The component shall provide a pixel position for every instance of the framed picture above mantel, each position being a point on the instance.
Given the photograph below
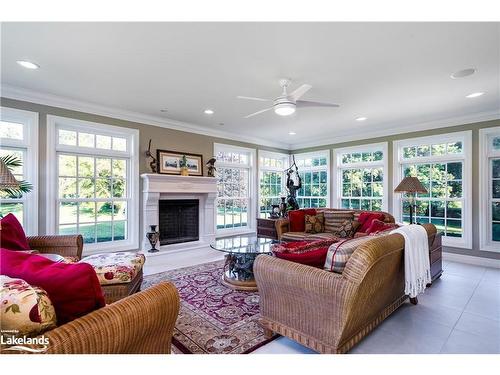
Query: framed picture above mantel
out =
(169, 162)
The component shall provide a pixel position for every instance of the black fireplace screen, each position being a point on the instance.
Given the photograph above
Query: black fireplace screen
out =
(179, 221)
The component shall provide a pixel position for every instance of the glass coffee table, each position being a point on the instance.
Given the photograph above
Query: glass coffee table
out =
(241, 252)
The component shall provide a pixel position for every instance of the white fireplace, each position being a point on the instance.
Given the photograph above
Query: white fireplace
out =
(158, 187)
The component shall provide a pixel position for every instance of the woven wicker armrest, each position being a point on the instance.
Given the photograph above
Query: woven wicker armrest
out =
(282, 226)
(70, 245)
(300, 296)
(141, 323)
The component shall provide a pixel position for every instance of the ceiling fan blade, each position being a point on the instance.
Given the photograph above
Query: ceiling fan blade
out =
(307, 103)
(259, 112)
(300, 91)
(252, 98)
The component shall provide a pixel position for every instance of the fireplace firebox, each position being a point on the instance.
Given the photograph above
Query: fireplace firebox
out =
(178, 221)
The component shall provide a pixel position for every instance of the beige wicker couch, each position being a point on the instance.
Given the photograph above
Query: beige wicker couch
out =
(331, 312)
(283, 225)
(141, 323)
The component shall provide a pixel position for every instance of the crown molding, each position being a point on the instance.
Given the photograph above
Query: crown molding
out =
(401, 129)
(27, 95)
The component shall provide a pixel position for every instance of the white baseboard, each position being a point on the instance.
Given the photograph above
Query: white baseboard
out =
(468, 259)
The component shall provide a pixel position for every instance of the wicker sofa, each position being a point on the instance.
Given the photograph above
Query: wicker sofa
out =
(283, 226)
(330, 312)
(140, 323)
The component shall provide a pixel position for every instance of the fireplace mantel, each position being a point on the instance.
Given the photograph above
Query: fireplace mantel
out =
(158, 187)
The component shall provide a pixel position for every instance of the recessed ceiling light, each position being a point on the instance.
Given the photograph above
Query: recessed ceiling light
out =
(221, 123)
(361, 118)
(474, 95)
(463, 73)
(164, 110)
(291, 133)
(209, 112)
(28, 64)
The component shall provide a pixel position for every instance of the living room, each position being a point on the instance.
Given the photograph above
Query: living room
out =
(250, 187)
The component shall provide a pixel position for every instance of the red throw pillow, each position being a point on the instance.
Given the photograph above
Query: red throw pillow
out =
(378, 226)
(314, 258)
(12, 235)
(73, 288)
(366, 218)
(297, 219)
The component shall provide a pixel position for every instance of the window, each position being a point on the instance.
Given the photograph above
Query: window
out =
(441, 163)
(19, 137)
(489, 154)
(361, 182)
(93, 183)
(235, 188)
(313, 169)
(271, 180)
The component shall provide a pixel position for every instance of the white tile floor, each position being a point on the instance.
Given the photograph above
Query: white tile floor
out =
(460, 313)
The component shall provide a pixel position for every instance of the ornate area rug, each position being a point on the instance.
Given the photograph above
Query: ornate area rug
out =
(213, 318)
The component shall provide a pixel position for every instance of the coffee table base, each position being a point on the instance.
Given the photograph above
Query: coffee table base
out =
(231, 282)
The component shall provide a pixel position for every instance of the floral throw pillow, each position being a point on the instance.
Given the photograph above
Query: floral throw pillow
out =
(348, 228)
(315, 223)
(25, 309)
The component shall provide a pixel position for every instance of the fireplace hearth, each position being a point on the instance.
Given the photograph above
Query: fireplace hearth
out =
(178, 221)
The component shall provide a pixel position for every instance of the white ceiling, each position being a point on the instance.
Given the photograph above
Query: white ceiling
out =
(396, 74)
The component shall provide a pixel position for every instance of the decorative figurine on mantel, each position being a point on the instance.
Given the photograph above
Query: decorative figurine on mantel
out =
(293, 184)
(152, 163)
(183, 165)
(211, 167)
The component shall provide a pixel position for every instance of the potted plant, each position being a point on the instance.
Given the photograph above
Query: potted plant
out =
(183, 166)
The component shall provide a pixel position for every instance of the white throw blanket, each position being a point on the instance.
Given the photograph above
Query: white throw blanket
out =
(417, 265)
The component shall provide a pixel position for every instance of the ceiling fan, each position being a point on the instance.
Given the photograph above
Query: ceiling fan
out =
(286, 103)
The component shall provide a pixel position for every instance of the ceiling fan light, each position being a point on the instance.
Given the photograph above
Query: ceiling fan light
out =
(284, 109)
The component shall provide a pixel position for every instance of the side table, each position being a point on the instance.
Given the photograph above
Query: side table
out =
(267, 228)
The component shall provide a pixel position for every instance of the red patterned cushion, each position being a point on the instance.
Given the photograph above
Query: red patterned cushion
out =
(379, 226)
(366, 218)
(297, 219)
(311, 253)
(12, 235)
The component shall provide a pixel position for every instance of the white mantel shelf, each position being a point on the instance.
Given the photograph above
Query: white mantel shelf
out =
(164, 183)
(158, 187)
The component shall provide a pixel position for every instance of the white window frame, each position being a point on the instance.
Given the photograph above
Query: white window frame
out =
(485, 214)
(338, 166)
(261, 168)
(319, 153)
(29, 144)
(252, 189)
(466, 158)
(132, 136)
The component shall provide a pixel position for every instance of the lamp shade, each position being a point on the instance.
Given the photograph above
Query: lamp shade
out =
(410, 185)
(7, 180)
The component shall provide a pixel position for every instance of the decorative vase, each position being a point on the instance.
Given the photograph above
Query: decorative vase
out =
(153, 238)
(184, 171)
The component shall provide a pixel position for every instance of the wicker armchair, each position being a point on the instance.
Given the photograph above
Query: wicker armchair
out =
(330, 312)
(67, 246)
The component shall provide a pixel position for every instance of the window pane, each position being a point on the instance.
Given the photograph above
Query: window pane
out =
(67, 137)
(103, 141)
(11, 130)
(454, 228)
(454, 171)
(104, 211)
(104, 232)
(439, 149)
(86, 212)
(85, 166)
(67, 187)
(86, 140)
(409, 152)
(496, 189)
(16, 171)
(495, 214)
(119, 230)
(495, 168)
(119, 144)
(496, 143)
(495, 232)
(68, 213)
(103, 188)
(455, 148)
(103, 167)
(88, 232)
(69, 229)
(85, 188)
(454, 210)
(437, 209)
(67, 165)
(423, 151)
(12, 208)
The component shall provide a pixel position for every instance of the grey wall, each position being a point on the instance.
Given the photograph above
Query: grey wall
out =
(475, 172)
(189, 142)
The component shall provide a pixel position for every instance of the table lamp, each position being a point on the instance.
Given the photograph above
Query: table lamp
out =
(411, 185)
(7, 179)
